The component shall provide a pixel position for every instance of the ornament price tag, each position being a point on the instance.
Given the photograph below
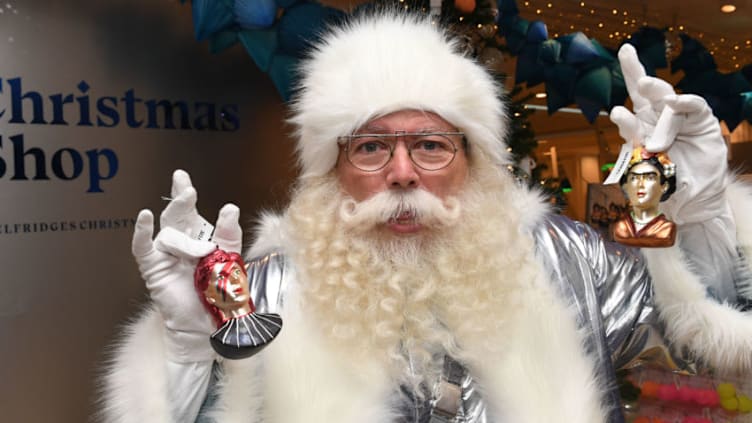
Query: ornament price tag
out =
(201, 229)
(621, 164)
(198, 227)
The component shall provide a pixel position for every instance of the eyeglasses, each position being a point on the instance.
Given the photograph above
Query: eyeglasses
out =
(427, 150)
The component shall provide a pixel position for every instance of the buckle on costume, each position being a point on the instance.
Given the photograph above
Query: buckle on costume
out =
(447, 403)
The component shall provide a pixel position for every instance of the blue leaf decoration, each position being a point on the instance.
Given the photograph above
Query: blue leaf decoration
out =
(301, 24)
(594, 86)
(222, 40)
(580, 50)
(693, 57)
(747, 72)
(589, 108)
(560, 79)
(282, 72)
(733, 84)
(260, 45)
(619, 92)
(550, 52)
(253, 14)
(747, 106)
(556, 99)
(209, 17)
(506, 8)
(537, 32)
(528, 69)
(286, 3)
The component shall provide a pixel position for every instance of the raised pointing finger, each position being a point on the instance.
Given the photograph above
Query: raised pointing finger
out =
(228, 234)
(633, 71)
(180, 207)
(180, 182)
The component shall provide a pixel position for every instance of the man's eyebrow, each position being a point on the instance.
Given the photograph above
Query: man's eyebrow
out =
(652, 172)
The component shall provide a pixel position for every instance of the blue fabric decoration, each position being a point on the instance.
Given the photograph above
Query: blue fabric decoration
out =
(528, 67)
(506, 8)
(574, 68)
(301, 24)
(253, 14)
(222, 40)
(560, 78)
(693, 57)
(579, 50)
(514, 29)
(556, 99)
(286, 3)
(593, 91)
(550, 52)
(260, 45)
(651, 45)
(747, 105)
(537, 32)
(619, 92)
(210, 16)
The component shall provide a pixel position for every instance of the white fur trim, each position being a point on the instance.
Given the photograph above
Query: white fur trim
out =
(378, 64)
(543, 374)
(135, 384)
(717, 333)
(531, 205)
(269, 235)
(309, 382)
(739, 195)
(239, 391)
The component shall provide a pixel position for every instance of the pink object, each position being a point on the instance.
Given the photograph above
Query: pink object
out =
(668, 393)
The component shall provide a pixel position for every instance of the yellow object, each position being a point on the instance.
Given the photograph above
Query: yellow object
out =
(730, 404)
(745, 404)
(726, 390)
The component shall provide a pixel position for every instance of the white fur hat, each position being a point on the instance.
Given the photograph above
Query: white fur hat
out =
(389, 61)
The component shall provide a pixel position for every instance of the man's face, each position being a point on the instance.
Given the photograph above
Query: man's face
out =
(228, 290)
(643, 186)
(401, 173)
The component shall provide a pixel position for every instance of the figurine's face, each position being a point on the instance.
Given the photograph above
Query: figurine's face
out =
(228, 288)
(643, 186)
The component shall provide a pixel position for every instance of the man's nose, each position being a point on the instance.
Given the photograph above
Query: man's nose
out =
(401, 171)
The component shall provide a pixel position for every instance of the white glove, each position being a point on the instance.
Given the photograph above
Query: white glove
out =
(684, 127)
(167, 265)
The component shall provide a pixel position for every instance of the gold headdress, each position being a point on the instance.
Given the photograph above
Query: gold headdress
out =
(640, 154)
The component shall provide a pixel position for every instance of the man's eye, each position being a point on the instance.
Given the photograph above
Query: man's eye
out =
(427, 145)
(431, 145)
(368, 147)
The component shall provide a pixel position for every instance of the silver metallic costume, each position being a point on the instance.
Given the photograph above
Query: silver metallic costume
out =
(607, 283)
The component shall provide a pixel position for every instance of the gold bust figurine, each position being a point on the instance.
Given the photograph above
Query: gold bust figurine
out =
(650, 179)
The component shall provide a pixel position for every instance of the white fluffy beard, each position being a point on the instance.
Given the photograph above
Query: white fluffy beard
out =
(404, 301)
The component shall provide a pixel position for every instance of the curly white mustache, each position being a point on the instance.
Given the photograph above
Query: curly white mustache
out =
(418, 205)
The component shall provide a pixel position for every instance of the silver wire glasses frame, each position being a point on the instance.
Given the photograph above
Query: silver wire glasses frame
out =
(428, 150)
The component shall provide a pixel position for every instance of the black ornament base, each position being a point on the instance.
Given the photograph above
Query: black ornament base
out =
(242, 337)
